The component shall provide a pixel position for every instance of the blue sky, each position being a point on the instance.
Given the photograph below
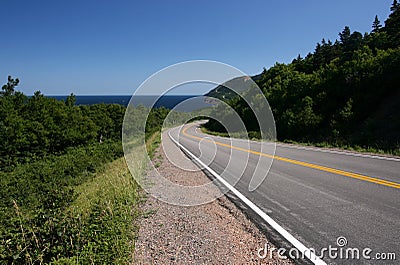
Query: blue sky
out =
(110, 47)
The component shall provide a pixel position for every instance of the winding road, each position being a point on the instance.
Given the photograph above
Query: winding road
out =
(318, 196)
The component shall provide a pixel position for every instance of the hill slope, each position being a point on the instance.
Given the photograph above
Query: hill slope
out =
(346, 92)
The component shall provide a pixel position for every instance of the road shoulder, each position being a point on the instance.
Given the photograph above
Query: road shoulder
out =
(214, 233)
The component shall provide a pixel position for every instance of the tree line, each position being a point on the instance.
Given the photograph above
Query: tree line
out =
(37, 126)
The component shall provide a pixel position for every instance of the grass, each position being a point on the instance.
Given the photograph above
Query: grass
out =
(80, 210)
(356, 148)
(221, 134)
(105, 210)
(153, 143)
(107, 205)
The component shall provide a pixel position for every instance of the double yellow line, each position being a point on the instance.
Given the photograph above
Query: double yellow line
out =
(304, 164)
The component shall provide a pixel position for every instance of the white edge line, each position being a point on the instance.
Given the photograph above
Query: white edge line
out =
(297, 244)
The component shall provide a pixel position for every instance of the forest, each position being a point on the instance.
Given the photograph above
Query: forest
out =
(345, 93)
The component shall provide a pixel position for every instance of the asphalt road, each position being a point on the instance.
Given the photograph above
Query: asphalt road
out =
(315, 194)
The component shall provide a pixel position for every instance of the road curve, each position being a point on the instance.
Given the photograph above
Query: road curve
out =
(315, 194)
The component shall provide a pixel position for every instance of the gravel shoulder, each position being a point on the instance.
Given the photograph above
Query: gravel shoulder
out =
(213, 233)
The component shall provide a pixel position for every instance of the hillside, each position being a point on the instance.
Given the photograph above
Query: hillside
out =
(346, 92)
(224, 91)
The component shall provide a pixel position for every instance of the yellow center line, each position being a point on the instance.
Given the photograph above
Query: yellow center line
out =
(304, 164)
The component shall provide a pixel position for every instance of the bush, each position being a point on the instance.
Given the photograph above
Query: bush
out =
(34, 225)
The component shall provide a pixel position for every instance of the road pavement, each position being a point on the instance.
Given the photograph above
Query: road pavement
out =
(317, 195)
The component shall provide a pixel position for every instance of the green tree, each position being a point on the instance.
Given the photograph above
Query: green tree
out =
(345, 35)
(392, 25)
(9, 88)
(71, 100)
(376, 25)
(355, 41)
(395, 6)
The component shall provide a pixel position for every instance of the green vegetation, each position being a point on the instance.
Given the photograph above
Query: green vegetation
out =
(153, 143)
(67, 196)
(36, 225)
(49, 150)
(355, 148)
(240, 135)
(38, 126)
(345, 93)
(105, 209)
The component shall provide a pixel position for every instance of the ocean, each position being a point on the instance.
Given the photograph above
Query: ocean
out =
(90, 100)
(169, 101)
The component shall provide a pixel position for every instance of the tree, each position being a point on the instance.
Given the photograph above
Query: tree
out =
(376, 25)
(395, 6)
(392, 25)
(71, 100)
(345, 35)
(9, 88)
(355, 41)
